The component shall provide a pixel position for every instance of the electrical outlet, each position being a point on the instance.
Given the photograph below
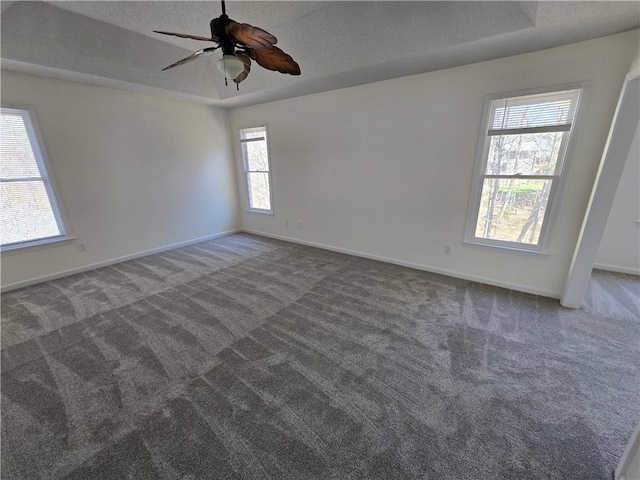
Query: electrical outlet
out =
(447, 249)
(299, 225)
(286, 223)
(82, 247)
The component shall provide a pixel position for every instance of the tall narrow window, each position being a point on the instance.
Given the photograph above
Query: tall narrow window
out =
(29, 214)
(522, 161)
(255, 159)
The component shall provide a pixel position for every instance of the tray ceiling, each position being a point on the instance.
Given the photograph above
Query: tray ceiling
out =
(336, 43)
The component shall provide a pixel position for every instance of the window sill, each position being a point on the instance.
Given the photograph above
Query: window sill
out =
(36, 245)
(506, 249)
(263, 212)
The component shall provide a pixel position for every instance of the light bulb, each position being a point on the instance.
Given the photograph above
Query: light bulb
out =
(230, 65)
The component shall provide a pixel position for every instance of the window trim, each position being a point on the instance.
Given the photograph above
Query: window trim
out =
(559, 179)
(246, 171)
(44, 165)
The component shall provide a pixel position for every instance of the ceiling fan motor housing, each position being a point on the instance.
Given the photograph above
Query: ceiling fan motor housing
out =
(242, 41)
(220, 35)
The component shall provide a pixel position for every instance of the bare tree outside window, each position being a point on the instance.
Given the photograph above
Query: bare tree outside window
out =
(526, 140)
(255, 157)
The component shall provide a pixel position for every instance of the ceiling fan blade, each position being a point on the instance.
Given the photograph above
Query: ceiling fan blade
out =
(251, 36)
(193, 56)
(247, 68)
(186, 35)
(275, 59)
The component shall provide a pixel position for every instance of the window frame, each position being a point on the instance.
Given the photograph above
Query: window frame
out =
(559, 177)
(245, 168)
(46, 175)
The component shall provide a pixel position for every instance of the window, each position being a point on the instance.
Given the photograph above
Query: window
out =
(518, 175)
(30, 214)
(255, 159)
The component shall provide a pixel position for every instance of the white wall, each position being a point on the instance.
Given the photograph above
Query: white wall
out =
(385, 169)
(134, 172)
(620, 246)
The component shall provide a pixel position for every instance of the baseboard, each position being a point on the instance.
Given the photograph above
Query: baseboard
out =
(615, 268)
(426, 268)
(416, 266)
(106, 263)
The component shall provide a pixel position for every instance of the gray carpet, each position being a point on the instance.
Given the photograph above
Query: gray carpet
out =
(244, 357)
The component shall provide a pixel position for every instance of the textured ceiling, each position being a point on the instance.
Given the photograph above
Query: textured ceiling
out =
(336, 43)
(188, 17)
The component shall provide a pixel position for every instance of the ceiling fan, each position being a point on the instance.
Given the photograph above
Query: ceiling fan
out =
(240, 43)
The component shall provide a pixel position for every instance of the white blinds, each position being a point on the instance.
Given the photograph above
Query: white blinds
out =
(18, 160)
(541, 111)
(252, 134)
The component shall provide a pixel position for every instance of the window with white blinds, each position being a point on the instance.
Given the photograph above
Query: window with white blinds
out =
(29, 214)
(522, 160)
(255, 160)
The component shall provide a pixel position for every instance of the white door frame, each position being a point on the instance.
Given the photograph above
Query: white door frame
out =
(619, 142)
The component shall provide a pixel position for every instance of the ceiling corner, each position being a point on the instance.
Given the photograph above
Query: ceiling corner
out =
(531, 10)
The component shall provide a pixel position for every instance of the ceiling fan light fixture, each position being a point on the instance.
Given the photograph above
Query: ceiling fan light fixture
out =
(230, 65)
(240, 44)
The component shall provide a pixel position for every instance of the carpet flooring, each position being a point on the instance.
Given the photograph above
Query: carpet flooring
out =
(250, 358)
